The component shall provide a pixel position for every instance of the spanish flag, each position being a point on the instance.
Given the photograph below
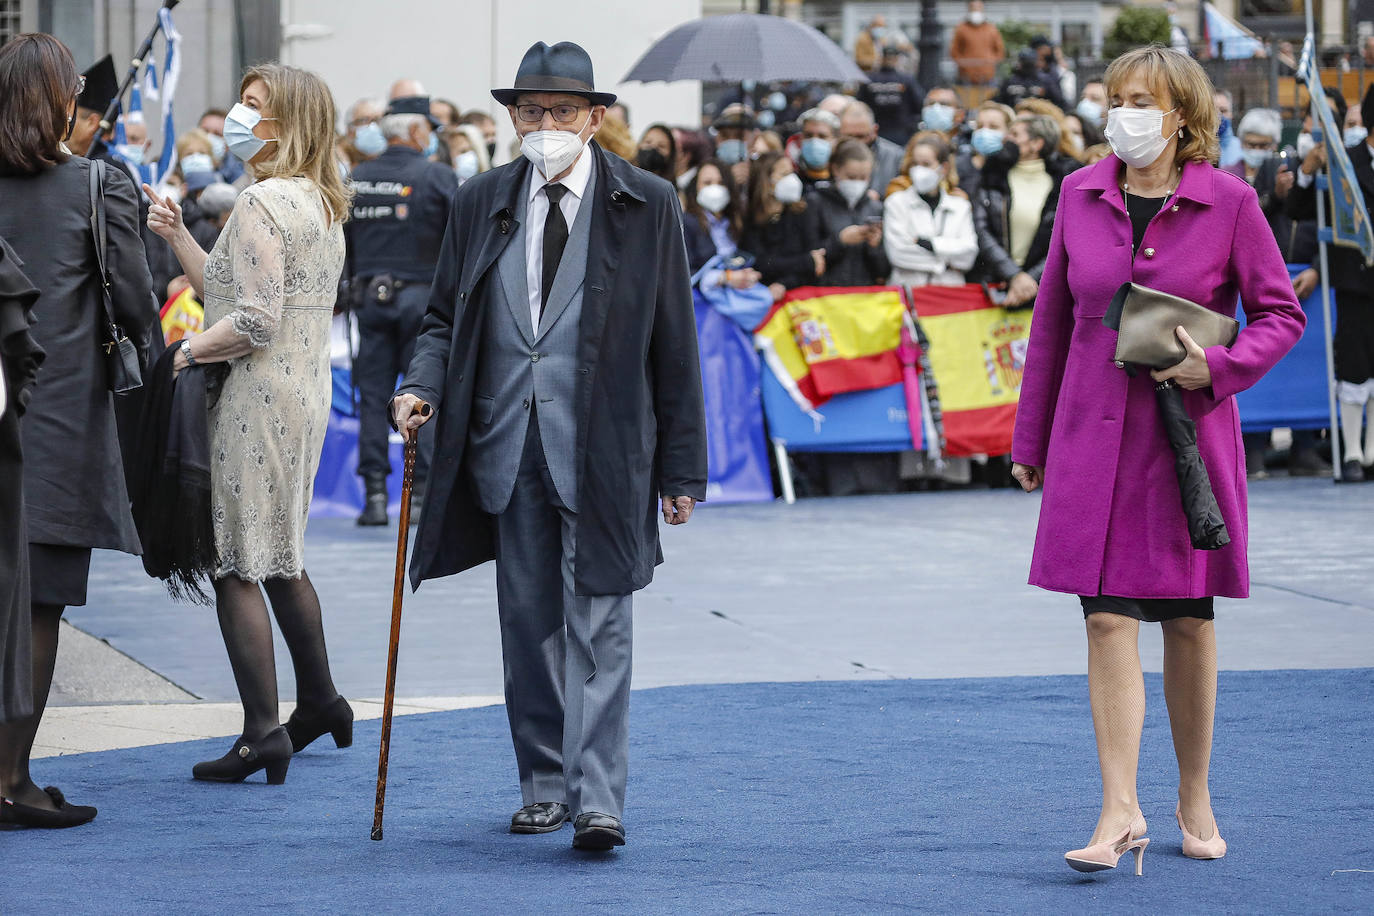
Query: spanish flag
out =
(182, 316)
(824, 341)
(977, 356)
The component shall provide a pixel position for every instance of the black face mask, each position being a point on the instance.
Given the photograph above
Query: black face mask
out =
(651, 160)
(491, 150)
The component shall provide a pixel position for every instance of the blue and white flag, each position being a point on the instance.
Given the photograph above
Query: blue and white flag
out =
(166, 94)
(1228, 39)
(133, 156)
(1350, 225)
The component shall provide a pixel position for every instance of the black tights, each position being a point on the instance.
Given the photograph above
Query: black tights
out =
(16, 738)
(247, 631)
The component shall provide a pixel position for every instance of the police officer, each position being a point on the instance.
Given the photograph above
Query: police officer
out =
(400, 211)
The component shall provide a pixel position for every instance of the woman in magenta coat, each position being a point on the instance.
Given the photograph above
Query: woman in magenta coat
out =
(1112, 528)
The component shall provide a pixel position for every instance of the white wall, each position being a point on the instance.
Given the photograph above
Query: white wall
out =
(461, 50)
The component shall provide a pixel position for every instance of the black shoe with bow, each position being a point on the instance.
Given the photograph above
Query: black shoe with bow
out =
(67, 815)
(598, 832)
(272, 753)
(541, 817)
(305, 726)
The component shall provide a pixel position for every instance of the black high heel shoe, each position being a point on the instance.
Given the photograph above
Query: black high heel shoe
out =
(336, 719)
(272, 753)
(66, 815)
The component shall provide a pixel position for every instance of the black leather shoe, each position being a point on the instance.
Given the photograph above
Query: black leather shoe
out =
(305, 726)
(272, 753)
(374, 508)
(598, 832)
(1351, 472)
(66, 815)
(542, 817)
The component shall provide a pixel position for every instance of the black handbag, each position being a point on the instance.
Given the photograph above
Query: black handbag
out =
(123, 369)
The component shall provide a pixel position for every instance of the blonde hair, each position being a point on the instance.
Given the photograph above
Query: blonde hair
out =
(614, 137)
(1169, 72)
(304, 109)
(1001, 109)
(194, 140)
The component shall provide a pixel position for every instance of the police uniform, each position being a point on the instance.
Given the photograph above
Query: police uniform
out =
(400, 213)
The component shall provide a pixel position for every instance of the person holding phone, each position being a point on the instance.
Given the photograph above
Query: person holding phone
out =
(850, 221)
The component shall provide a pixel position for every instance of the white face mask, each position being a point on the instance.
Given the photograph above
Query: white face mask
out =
(1137, 134)
(788, 190)
(466, 165)
(852, 190)
(713, 198)
(924, 179)
(552, 151)
(976, 17)
(1305, 145)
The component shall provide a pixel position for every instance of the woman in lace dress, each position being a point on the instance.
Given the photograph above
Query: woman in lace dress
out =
(269, 289)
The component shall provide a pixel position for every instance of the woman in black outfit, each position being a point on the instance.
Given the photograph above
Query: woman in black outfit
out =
(779, 232)
(74, 492)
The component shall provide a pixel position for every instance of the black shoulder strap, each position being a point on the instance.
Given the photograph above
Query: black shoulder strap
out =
(99, 235)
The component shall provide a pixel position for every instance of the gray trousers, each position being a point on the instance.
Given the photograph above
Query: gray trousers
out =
(567, 658)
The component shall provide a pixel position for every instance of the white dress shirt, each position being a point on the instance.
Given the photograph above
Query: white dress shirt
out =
(537, 211)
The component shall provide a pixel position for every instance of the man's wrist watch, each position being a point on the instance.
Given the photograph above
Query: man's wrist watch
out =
(186, 352)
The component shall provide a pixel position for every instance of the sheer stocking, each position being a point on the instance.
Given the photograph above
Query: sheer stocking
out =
(297, 609)
(1116, 688)
(247, 634)
(1190, 690)
(16, 738)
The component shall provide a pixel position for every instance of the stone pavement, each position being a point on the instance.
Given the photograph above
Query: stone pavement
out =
(903, 586)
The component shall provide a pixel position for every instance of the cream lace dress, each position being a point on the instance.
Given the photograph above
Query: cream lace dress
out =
(274, 272)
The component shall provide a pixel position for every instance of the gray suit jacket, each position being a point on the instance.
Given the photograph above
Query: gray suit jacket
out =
(522, 368)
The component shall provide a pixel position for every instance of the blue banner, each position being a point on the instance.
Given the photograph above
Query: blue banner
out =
(1293, 393)
(860, 421)
(1350, 224)
(737, 455)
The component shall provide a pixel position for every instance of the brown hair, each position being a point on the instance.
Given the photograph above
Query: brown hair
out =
(38, 80)
(731, 211)
(944, 153)
(304, 109)
(1169, 72)
(849, 150)
(1004, 110)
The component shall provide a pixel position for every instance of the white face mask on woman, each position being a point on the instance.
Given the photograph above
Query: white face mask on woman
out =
(1137, 134)
(788, 190)
(924, 179)
(713, 198)
(852, 190)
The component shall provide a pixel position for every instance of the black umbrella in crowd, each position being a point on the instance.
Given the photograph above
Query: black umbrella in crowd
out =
(745, 46)
(1206, 528)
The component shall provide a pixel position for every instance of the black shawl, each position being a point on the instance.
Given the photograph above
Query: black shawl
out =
(171, 494)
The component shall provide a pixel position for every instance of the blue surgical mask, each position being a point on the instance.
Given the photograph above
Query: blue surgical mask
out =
(196, 163)
(432, 146)
(777, 101)
(466, 165)
(238, 131)
(748, 85)
(1254, 158)
(987, 141)
(1354, 136)
(217, 147)
(1090, 111)
(370, 140)
(732, 151)
(766, 119)
(1225, 130)
(815, 153)
(938, 117)
(133, 154)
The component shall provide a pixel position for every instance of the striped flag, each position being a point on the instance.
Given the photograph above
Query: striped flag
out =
(166, 92)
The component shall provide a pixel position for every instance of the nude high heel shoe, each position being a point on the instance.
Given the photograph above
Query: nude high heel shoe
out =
(1194, 848)
(1105, 855)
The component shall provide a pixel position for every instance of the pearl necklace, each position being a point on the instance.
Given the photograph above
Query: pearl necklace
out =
(1177, 179)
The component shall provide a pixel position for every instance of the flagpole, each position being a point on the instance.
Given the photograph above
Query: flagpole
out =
(108, 119)
(1316, 96)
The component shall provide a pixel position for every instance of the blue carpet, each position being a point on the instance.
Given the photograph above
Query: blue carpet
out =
(945, 796)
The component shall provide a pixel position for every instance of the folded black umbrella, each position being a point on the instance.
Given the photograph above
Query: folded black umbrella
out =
(1206, 527)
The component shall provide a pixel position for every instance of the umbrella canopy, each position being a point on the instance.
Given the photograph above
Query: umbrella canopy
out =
(745, 46)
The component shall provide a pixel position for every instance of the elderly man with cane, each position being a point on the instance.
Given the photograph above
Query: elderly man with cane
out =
(559, 354)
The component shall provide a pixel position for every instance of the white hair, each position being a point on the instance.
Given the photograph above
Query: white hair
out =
(217, 199)
(821, 116)
(352, 112)
(1264, 121)
(398, 126)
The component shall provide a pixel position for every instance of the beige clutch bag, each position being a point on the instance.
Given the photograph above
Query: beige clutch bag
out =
(1144, 320)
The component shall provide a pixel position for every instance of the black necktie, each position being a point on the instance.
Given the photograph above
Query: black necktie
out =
(555, 239)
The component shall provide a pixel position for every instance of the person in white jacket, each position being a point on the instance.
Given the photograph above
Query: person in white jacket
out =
(928, 232)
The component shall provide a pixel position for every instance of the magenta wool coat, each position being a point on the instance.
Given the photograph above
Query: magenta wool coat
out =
(1111, 519)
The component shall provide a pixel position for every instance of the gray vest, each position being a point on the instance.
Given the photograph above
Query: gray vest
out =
(520, 367)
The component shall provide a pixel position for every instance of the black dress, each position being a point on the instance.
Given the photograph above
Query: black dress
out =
(20, 357)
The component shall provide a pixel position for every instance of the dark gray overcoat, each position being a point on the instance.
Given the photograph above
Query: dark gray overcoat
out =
(641, 429)
(74, 490)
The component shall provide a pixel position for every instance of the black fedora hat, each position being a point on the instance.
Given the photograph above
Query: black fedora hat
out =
(564, 67)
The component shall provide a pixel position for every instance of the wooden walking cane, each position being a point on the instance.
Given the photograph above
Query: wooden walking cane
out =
(401, 539)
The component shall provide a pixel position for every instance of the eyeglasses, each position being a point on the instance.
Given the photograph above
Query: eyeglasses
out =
(563, 114)
(80, 84)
